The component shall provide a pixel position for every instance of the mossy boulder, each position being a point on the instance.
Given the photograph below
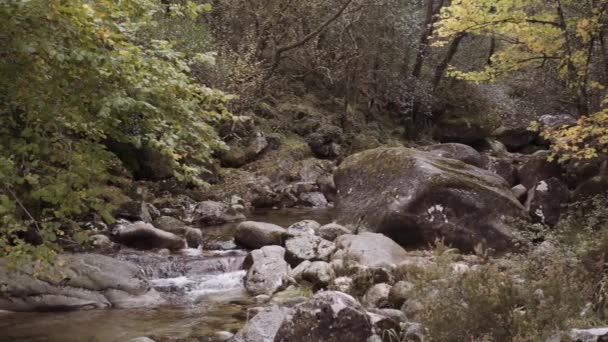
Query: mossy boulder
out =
(416, 197)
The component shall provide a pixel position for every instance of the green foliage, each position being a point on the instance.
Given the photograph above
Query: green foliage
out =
(75, 74)
(526, 297)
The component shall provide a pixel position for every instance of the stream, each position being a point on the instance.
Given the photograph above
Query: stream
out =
(204, 287)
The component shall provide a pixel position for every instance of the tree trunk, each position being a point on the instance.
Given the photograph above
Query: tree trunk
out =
(442, 67)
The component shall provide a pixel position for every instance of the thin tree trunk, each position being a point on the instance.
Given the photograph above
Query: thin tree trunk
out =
(442, 67)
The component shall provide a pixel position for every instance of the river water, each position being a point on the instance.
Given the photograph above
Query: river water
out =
(204, 287)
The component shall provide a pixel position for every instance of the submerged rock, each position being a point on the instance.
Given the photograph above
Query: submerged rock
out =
(329, 317)
(268, 270)
(254, 235)
(193, 236)
(85, 281)
(415, 197)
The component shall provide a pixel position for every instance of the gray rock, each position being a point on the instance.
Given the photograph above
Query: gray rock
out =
(85, 281)
(134, 211)
(329, 317)
(297, 272)
(268, 271)
(415, 197)
(222, 336)
(313, 199)
(308, 247)
(325, 142)
(515, 137)
(331, 231)
(589, 335)
(215, 213)
(319, 273)
(371, 249)
(461, 152)
(537, 167)
(101, 241)
(194, 237)
(342, 284)
(377, 296)
(413, 333)
(145, 236)
(545, 201)
(254, 235)
(262, 327)
(504, 167)
(303, 227)
(519, 191)
(383, 325)
(399, 293)
(141, 339)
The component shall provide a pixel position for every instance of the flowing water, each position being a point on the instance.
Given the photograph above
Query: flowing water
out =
(204, 289)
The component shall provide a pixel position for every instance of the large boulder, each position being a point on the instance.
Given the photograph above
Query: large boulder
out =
(415, 197)
(268, 270)
(546, 199)
(329, 317)
(503, 166)
(251, 234)
(84, 281)
(262, 327)
(308, 247)
(145, 236)
(464, 153)
(371, 249)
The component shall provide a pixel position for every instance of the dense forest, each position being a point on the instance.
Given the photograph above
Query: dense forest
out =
(470, 137)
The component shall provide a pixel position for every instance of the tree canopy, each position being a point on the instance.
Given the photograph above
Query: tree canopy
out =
(73, 76)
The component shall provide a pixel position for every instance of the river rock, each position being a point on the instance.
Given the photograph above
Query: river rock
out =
(85, 281)
(415, 197)
(308, 247)
(331, 231)
(135, 211)
(371, 249)
(254, 235)
(215, 213)
(297, 272)
(546, 199)
(329, 317)
(319, 273)
(268, 270)
(342, 284)
(262, 327)
(456, 151)
(377, 296)
(589, 335)
(313, 199)
(303, 227)
(193, 236)
(142, 235)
